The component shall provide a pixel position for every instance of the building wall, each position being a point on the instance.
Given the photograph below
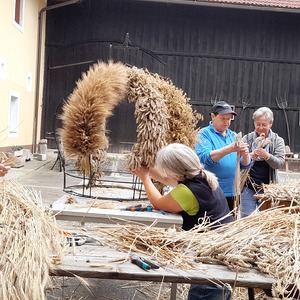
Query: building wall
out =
(241, 56)
(18, 63)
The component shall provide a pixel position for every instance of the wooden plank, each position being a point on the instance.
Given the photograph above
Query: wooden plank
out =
(73, 212)
(91, 261)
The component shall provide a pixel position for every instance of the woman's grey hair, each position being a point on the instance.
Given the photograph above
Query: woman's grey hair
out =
(181, 160)
(264, 112)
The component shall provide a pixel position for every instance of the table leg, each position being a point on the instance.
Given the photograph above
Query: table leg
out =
(173, 290)
(251, 293)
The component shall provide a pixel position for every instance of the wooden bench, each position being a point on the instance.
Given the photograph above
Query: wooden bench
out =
(288, 152)
(289, 160)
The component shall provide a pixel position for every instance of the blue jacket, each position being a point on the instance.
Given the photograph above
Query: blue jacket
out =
(225, 168)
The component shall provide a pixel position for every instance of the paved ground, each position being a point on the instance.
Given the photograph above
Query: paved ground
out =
(46, 177)
(38, 174)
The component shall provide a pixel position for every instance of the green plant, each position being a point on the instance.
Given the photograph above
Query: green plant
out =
(16, 148)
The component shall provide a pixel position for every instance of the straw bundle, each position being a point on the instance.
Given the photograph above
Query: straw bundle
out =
(92, 167)
(287, 193)
(7, 161)
(87, 109)
(29, 237)
(182, 119)
(166, 246)
(151, 117)
(163, 115)
(268, 241)
(237, 179)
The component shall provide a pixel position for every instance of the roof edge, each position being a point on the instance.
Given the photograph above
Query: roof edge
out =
(226, 5)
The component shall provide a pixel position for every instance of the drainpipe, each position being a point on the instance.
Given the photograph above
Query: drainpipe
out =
(38, 67)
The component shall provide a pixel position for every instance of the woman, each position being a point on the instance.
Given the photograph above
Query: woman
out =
(196, 194)
(267, 149)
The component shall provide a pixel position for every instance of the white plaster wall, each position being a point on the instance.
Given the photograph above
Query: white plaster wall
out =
(18, 64)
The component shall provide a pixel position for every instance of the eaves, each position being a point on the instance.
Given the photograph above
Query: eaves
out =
(227, 4)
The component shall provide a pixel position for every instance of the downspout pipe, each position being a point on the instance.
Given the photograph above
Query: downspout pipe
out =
(38, 66)
(225, 5)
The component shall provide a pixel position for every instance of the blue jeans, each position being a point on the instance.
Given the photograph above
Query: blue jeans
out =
(248, 203)
(207, 292)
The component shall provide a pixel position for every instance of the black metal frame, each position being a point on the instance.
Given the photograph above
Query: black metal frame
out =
(87, 189)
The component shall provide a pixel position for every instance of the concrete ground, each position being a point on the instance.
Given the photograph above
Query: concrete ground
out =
(45, 176)
(38, 175)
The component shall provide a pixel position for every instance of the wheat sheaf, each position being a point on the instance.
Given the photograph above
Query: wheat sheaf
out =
(158, 110)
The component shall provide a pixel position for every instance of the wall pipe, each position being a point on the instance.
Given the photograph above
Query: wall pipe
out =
(225, 5)
(38, 66)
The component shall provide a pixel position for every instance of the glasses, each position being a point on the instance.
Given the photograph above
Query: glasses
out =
(263, 125)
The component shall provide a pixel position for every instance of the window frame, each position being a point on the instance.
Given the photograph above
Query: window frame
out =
(14, 114)
(18, 14)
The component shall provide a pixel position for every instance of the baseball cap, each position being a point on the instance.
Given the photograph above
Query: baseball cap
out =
(222, 108)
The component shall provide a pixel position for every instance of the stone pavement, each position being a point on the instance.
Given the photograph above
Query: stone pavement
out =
(38, 175)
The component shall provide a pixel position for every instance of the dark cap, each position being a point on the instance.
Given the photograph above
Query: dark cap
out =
(222, 108)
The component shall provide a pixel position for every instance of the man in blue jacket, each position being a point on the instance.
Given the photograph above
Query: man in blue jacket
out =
(218, 150)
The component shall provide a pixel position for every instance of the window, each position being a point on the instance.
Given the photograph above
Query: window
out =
(19, 14)
(13, 114)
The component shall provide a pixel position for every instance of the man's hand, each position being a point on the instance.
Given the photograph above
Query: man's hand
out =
(242, 148)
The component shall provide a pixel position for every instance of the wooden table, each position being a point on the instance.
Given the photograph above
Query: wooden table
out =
(75, 212)
(95, 261)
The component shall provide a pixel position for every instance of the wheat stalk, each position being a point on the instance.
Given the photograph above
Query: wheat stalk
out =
(267, 241)
(30, 242)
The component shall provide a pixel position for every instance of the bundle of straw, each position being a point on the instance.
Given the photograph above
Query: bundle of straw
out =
(86, 111)
(268, 241)
(287, 192)
(182, 118)
(163, 115)
(7, 161)
(151, 117)
(237, 180)
(29, 238)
